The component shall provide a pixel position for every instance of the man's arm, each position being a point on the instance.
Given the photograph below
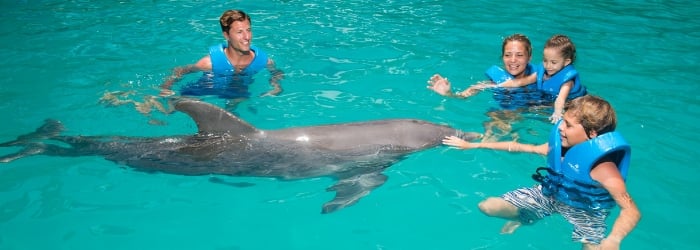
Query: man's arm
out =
(276, 75)
(203, 64)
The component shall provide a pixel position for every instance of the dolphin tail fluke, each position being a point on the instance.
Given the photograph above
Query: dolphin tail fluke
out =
(50, 129)
(349, 190)
(29, 150)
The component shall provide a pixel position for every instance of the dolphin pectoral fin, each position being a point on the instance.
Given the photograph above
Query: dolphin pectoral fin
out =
(349, 190)
(229, 183)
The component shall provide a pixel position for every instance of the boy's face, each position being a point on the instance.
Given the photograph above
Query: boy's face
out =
(571, 131)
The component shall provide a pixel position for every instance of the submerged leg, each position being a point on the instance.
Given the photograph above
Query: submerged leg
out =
(498, 207)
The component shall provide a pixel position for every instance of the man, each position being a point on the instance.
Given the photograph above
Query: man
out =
(229, 67)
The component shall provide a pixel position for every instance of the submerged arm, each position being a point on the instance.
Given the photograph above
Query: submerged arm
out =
(276, 75)
(178, 72)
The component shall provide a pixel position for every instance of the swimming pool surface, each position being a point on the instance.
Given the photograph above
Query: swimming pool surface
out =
(344, 61)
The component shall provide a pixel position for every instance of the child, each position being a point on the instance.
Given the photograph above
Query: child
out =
(587, 166)
(557, 77)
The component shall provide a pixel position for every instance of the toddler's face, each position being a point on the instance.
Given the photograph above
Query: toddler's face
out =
(553, 60)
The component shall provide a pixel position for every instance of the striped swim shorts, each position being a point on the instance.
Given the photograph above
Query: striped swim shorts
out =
(533, 205)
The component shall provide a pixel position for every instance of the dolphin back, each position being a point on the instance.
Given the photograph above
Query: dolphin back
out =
(211, 119)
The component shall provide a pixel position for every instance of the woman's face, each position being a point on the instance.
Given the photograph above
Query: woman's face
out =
(515, 58)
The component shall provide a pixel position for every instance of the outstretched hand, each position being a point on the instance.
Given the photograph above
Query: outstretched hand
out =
(440, 85)
(457, 142)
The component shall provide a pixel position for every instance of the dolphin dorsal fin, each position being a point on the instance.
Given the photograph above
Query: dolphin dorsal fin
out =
(211, 119)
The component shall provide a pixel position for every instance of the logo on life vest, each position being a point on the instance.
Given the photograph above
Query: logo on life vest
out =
(574, 167)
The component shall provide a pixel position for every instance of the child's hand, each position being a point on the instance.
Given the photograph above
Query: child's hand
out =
(457, 142)
(555, 117)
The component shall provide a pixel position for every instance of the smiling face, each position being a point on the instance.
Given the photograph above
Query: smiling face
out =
(572, 131)
(239, 36)
(516, 56)
(553, 60)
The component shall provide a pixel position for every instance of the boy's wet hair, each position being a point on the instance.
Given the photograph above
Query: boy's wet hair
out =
(231, 16)
(520, 38)
(564, 44)
(594, 113)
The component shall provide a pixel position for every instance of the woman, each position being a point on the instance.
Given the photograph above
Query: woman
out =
(516, 55)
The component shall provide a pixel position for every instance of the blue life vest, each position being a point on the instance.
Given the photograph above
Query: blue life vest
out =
(223, 80)
(514, 98)
(569, 179)
(222, 67)
(552, 85)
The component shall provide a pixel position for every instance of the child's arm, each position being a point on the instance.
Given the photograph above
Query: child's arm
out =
(519, 82)
(475, 89)
(560, 101)
(509, 146)
(607, 174)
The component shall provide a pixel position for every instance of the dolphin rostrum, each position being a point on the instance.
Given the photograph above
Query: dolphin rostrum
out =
(353, 153)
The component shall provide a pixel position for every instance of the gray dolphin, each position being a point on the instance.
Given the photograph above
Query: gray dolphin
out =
(353, 153)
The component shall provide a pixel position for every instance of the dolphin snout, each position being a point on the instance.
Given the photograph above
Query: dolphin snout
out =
(469, 136)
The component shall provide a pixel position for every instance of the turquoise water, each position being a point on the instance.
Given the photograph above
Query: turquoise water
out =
(344, 61)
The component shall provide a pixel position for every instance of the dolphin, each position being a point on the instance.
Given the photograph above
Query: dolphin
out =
(355, 154)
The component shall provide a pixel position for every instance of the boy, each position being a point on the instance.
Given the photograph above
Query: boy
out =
(587, 165)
